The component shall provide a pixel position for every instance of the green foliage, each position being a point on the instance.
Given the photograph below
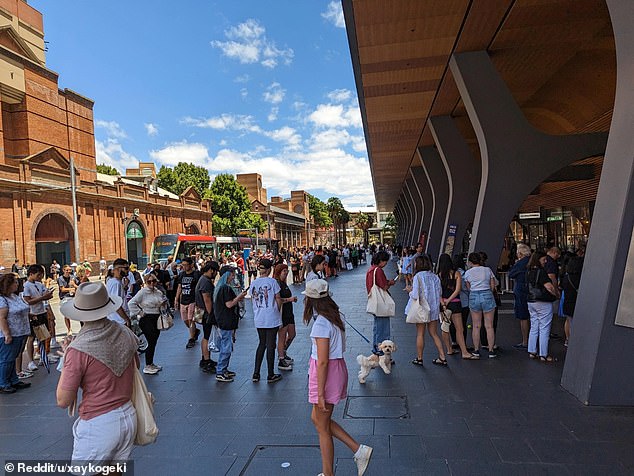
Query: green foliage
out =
(340, 217)
(177, 180)
(390, 223)
(107, 169)
(364, 221)
(231, 207)
(319, 212)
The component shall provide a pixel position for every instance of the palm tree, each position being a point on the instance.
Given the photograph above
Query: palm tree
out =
(334, 207)
(364, 221)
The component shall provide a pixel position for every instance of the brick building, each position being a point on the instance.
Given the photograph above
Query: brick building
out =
(288, 220)
(41, 127)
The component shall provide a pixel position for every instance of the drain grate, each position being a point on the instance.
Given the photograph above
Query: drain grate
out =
(283, 459)
(393, 407)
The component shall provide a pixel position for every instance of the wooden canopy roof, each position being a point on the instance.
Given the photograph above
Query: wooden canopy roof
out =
(556, 56)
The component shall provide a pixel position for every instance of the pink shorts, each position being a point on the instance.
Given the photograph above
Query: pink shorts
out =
(187, 311)
(336, 383)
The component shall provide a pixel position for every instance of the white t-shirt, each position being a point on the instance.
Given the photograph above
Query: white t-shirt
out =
(115, 288)
(35, 290)
(322, 327)
(266, 314)
(479, 278)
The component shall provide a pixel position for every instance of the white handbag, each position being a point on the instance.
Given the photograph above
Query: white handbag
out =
(380, 303)
(143, 402)
(419, 312)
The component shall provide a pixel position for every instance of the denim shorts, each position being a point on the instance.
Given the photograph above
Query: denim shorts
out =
(481, 301)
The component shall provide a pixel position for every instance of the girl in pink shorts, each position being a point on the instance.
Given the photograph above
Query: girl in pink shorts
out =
(328, 375)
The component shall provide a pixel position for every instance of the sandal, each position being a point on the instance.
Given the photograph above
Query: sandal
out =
(439, 361)
(453, 352)
(548, 359)
(418, 362)
(532, 355)
(471, 357)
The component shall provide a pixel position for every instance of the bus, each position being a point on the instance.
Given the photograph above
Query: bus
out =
(180, 245)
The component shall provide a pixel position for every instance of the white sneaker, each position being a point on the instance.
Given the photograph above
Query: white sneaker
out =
(149, 370)
(53, 359)
(156, 366)
(362, 461)
(32, 366)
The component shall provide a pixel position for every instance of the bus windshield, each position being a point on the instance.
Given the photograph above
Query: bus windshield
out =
(163, 246)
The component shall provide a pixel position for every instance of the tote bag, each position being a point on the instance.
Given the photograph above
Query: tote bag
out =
(419, 312)
(380, 303)
(143, 402)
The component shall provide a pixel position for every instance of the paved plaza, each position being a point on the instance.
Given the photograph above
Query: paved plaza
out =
(502, 416)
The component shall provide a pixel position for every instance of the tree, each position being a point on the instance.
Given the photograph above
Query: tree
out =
(364, 221)
(107, 169)
(318, 212)
(231, 207)
(340, 217)
(177, 180)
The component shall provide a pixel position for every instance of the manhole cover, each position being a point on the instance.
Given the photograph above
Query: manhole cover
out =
(284, 460)
(377, 407)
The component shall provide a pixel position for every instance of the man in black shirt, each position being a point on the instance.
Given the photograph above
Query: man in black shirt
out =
(186, 298)
(204, 300)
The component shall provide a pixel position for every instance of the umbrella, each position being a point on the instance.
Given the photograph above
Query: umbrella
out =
(44, 356)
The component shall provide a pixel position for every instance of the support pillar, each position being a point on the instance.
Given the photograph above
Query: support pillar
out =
(516, 157)
(598, 368)
(426, 194)
(439, 185)
(400, 220)
(419, 198)
(409, 206)
(463, 173)
(416, 208)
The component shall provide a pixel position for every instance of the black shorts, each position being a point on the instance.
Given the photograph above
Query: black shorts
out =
(38, 320)
(208, 323)
(286, 320)
(455, 307)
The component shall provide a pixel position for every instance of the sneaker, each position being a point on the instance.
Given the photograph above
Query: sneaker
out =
(23, 375)
(206, 363)
(493, 355)
(274, 378)
(520, 346)
(21, 385)
(290, 359)
(196, 334)
(32, 366)
(149, 370)
(8, 389)
(190, 343)
(223, 378)
(362, 458)
(209, 369)
(255, 378)
(284, 365)
(157, 367)
(230, 373)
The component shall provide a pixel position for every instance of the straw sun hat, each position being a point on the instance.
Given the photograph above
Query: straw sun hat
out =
(91, 303)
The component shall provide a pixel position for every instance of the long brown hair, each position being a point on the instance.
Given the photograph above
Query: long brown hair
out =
(6, 280)
(277, 271)
(324, 306)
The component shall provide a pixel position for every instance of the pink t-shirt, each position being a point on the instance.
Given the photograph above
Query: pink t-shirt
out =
(102, 391)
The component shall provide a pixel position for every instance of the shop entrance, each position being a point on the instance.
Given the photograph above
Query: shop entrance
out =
(53, 240)
(134, 237)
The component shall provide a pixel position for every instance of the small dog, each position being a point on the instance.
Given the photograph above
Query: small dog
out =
(384, 361)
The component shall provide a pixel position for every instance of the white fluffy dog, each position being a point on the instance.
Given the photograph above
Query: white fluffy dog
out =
(373, 361)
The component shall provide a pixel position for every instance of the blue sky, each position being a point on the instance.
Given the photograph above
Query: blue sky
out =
(235, 86)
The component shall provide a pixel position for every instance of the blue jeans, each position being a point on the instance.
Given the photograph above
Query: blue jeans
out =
(226, 347)
(381, 332)
(8, 354)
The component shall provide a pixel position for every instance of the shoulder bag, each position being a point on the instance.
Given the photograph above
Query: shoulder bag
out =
(419, 312)
(538, 292)
(380, 303)
(143, 402)
(165, 320)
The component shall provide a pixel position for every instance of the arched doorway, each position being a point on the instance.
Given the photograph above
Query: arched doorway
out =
(53, 240)
(192, 229)
(134, 237)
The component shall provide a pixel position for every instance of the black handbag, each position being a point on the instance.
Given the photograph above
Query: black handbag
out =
(537, 292)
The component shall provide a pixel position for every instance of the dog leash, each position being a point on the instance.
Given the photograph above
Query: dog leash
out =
(357, 331)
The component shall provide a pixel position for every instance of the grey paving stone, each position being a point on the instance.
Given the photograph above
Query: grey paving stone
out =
(455, 448)
(389, 407)
(514, 450)
(485, 468)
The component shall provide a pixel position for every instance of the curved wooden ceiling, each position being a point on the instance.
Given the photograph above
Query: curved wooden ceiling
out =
(556, 56)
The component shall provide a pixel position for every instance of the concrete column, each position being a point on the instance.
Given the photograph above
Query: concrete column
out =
(419, 198)
(463, 172)
(398, 214)
(439, 185)
(515, 156)
(409, 207)
(417, 208)
(426, 193)
(598, 368)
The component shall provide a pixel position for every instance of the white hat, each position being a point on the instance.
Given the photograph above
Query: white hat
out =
(91, 303)
(316, 289)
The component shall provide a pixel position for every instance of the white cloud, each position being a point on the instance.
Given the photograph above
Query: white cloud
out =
(244, 78)
(273, 114)
(151, 129)
(112, 128)
(236, 122)
(274, 93)
(339, 95)
(172, 154)
(248, 44)
(336, 115)
(285, 134)
(334, 14)
(111, 152)
(244, 93)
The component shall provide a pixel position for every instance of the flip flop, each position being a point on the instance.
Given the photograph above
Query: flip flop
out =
(532, 355)
(471, 357)
(453, 352)
(442, 362)
(549, 359)
(418, 362)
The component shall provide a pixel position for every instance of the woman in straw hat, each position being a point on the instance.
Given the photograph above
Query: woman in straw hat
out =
(101, 361)
(328, 375)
